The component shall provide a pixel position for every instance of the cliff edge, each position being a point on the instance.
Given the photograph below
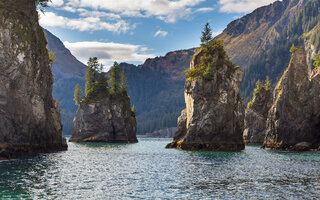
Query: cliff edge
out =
(29, 116)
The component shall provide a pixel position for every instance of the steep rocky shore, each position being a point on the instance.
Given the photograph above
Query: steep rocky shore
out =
(214, 114)
(29, 116)
(104, 113)
(256, 115)
(294, 119)
(108, 120)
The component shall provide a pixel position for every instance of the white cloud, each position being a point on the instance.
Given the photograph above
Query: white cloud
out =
(82, 24)
(56, 3)
(108, 52)
(161, 33)
(86, 13)
(242, 6)
(69, 9)
(205, 9)
(166, 10)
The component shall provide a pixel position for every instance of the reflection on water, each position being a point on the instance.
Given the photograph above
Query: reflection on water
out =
(148, 171)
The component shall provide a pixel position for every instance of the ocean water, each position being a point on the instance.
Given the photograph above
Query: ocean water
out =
(147, 170)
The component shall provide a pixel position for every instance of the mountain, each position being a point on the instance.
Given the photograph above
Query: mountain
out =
(156, 89)
(260, 41)
(68, 71)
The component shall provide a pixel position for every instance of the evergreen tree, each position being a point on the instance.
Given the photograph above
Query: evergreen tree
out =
(123, 83)
(267, 84)
(89, 81)
(77, 94)
(206, 34)
(93, 63)
(115, 78)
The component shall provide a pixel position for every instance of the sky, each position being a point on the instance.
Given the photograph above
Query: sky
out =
(133, 30)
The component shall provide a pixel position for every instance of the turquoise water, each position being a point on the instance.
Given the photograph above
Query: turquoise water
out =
(149, 171)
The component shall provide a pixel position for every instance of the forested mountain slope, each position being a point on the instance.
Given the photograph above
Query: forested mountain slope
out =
(303, 29)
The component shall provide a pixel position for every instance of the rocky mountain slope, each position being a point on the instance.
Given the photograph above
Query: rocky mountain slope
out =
(294, 119)
(68, 71)
(214, 114)
(29, 116)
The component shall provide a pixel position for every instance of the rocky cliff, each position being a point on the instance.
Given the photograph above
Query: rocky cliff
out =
(108, 120)
(29, 116)
(214, 114)
(294, 119)
(256, 115)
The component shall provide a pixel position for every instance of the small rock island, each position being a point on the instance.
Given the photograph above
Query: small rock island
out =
(104, 113)
(294, 119)
(257, 113)
(214, 114)
(29, 116)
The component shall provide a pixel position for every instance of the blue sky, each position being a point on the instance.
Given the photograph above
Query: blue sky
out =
(133, 30)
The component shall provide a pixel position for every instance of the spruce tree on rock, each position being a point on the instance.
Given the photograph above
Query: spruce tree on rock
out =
(206, 34)
(89, 81)
(123, 83)
(77, 94)
(115, 78)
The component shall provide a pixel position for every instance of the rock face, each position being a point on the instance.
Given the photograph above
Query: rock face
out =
(29, 116)
(294, 118)
(214, 114)
(256, 117)
(109, 120)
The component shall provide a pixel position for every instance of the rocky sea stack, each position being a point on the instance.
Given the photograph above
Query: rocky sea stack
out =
(257, 113)
(214, 114)
(104, 114)
(29, 116)
(294, 119)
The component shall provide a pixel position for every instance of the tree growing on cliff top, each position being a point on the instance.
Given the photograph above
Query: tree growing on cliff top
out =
(123, 83)
(115, 78)
(77, 94)
(206, 34)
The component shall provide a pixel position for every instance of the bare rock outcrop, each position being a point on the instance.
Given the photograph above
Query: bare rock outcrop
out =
(256, 115)
(294, 119)
(109, 120)
(214, 114)
(29, 116)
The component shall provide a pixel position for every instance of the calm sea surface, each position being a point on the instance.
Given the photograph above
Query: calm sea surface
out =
(149, 171)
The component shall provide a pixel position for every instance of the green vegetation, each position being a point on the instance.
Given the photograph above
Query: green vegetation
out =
(293, 49)
(260, 87)
(77, 96)
(133, 109)
(316, 63)
(115, 78)
(206, 34)
(98, 86)
(210, 55)
(52, 56)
